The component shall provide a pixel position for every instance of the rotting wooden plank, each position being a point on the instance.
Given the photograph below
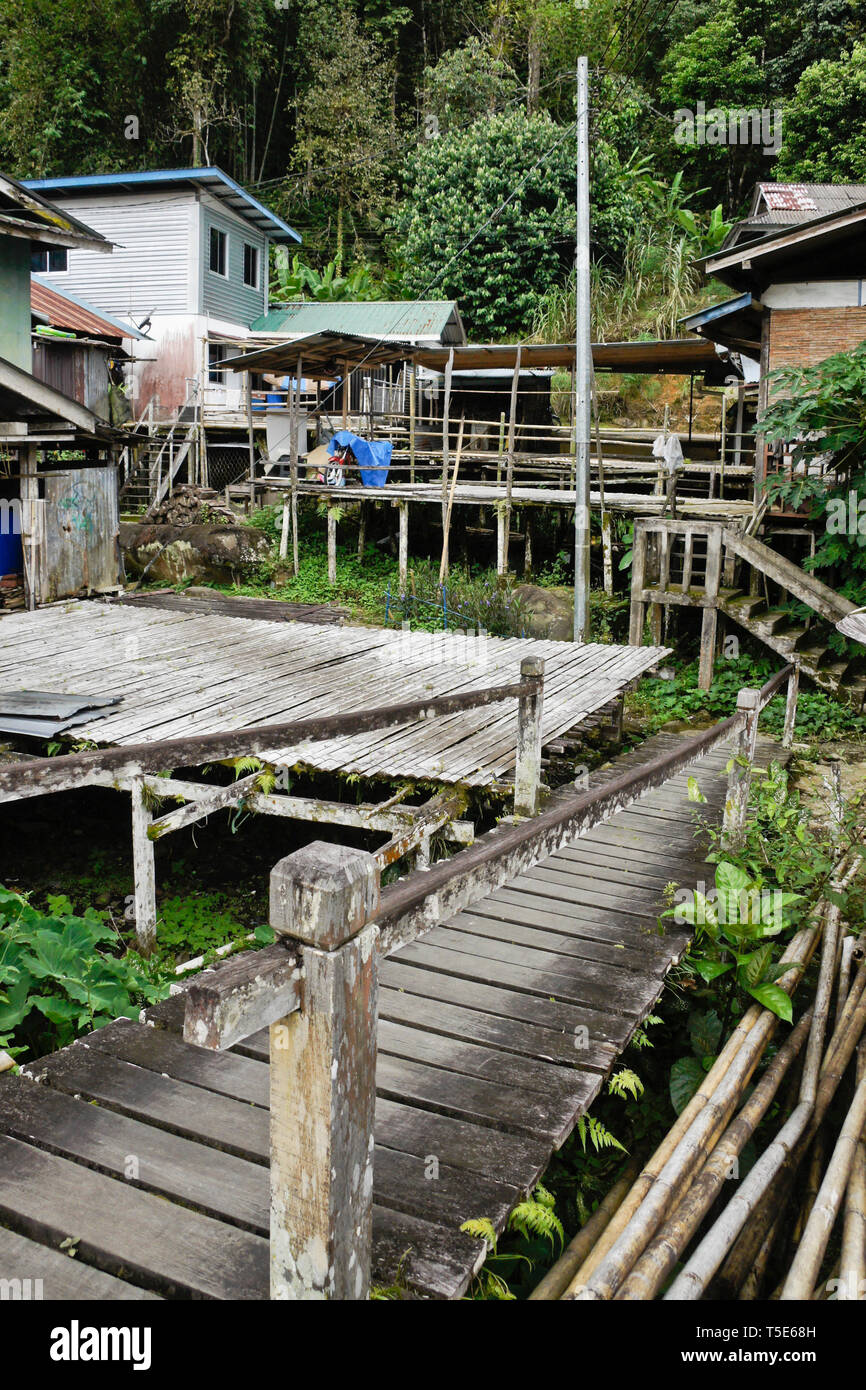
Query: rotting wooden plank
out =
(510, 1108)
(605, 1030)
(516, 1159)
(164, 1247)
(586, 948)
(205, 1116)
(60, 1278)
(442, 1261)
(139, 1155)
(166, 1054)
(487, 1063)
(589, 986)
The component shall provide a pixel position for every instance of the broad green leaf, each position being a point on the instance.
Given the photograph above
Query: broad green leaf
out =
(774, 998)
(710, 970)
(686, 1076)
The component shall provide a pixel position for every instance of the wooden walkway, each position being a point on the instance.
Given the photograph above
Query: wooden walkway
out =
(497, 1031)
(183, 673)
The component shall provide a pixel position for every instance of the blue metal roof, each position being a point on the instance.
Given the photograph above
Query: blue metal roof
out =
(211, 178)
(717, 311)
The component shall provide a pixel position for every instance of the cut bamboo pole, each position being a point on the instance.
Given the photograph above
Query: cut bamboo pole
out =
(556, 1280)
(661, 1256)
(786, 1150)
(807, 1261)
(852, 1265)
(796, 955)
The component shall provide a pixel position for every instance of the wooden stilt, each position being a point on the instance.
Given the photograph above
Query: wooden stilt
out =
(332, 546)
(362, 531)
(607, 550)
(144, 869)
(403, 510)
(509, 466)
(412, 407)
(446, 427)
(637, 614)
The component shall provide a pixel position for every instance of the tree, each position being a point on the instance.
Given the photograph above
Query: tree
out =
(346, 125)
(467, 83)
(824, 126)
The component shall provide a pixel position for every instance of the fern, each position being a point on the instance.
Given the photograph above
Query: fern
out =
(536, 1217)
(246, 764)
(625, 1083)
(599, 1137)
(482, 1228)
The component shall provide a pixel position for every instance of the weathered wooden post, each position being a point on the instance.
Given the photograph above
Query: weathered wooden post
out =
(791, 707)
(332, 544)
(143, 869)
(637, 612)
(403, 548)
(527, 771)
(710, 615)
(740, 770)
(323, 1076)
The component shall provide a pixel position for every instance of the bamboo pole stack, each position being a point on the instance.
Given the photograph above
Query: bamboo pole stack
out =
(646, 1227)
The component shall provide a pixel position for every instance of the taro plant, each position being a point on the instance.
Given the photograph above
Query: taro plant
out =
(735, 929)
(59, 977)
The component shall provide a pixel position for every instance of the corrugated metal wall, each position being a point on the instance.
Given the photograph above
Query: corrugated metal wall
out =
(152, 265)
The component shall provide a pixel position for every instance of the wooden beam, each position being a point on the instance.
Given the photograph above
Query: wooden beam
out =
(242, 996)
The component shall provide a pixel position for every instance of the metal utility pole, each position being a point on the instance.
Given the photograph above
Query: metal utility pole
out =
(583, 365)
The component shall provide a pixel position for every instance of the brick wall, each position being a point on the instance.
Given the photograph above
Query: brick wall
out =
(802, 337)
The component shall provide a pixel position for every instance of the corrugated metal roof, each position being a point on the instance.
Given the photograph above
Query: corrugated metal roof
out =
(809, 199)
(65, 311)
(42, 220)
(372, 318)
(211, 178)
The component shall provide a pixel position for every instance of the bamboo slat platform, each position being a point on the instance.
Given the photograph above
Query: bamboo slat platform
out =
(183, 673)
(497, 1031)
(489, 494)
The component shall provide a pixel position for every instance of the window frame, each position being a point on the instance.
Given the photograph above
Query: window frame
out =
(48, 252)
(254, 284)
(223, 274)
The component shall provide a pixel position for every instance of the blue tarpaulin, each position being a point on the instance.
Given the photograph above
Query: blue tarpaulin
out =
(374, 457)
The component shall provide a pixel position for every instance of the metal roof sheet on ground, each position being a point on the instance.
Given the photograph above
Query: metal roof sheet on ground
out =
(63, 310)
(371, 318)
(211, 178)
(44, 713)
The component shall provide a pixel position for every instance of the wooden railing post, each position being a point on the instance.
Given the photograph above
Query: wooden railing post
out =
(710, 615)
(637, 613)
(740, 773)
(791, 708)
(323, 1077)
(527, 772)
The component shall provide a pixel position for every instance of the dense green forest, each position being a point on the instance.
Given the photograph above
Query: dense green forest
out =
(427, 148)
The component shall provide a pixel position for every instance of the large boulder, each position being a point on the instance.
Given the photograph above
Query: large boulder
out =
(209, 554)
(549, 612)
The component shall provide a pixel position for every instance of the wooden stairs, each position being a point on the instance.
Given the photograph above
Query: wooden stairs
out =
(841, 678)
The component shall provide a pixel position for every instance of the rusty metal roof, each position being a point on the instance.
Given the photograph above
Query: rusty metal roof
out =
(65, 311)
(677, 355)
(809, 199)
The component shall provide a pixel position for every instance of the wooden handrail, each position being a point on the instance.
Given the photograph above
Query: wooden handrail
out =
(105, 766)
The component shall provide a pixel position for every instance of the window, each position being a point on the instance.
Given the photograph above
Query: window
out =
(215, 354)
(49, 262)
(218, 252)
(251, 266)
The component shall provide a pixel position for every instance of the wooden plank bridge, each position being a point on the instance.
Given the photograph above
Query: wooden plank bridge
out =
(509, 980)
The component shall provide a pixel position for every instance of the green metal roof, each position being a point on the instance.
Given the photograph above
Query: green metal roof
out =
(380, 318)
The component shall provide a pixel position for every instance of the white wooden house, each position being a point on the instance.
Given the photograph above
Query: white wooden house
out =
(190, 268)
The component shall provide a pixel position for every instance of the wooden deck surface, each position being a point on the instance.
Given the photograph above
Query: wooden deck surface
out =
(182, 673)
(497, 1031)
